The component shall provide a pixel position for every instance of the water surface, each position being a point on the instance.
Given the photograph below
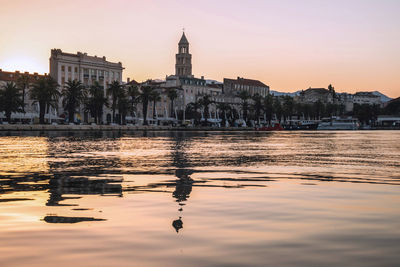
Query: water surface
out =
(200, 199)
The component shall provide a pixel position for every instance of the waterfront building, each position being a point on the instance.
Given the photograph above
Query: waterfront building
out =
(233, 87)
(346, 100)
(189, 88)
(312, 95)
(87, 69)
(31, 109)
(366, 98)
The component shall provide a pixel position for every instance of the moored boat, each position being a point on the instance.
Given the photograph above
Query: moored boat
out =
(338, 123)
(272, 127)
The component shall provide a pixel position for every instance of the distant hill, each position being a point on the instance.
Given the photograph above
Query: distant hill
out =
(384, 98)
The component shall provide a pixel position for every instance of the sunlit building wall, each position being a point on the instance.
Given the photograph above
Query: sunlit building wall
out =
(66, 67)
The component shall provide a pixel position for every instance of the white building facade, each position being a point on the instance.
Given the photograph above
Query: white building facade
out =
(66, 67)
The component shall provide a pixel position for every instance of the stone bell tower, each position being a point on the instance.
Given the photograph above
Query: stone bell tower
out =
(183, 66)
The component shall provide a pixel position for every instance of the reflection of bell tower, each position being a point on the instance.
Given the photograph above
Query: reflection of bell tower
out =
(183, 66)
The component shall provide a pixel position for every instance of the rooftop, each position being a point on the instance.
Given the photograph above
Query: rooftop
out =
(8, 76)
(244, 81)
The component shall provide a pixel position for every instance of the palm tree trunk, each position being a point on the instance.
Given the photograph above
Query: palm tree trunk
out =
(8, 116)
(154, 110)
(145, 103)
(172, 108)
(23, 100)
(71, 115)
(42, 110)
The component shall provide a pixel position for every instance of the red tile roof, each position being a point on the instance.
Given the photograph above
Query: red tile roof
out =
(243, 81)
(7, 76)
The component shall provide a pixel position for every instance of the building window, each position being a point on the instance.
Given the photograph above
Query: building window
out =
(62, 80)
(62, 68)
(76, 69)
(69, 68)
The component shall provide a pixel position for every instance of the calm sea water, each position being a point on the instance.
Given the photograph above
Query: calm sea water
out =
(200, 199)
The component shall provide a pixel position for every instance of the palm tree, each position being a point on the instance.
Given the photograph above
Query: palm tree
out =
(277, 107)
(155, 97)
(318, 109)
(205, 102)
(192, 111)
(96, 101)
(268, 106)
(114, 91)
(172, 95)
(287, 106)
(257, 106)
(224, 108)
(10, 100)
(145, 96)
(133, 94)
(123, 105)
(45, 92)
(244, 96)
(23, 83)
(73, 95)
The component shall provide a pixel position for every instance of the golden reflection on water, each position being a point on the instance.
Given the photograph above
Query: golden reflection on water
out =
(23, 155)
(200, 198)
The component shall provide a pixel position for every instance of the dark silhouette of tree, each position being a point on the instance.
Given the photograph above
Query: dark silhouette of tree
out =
(318, 109)
(10, 100)
(205, 102)
(365, 113)
(244, 97)
(114, 91)
(134, 97)
(96, 101)
(268, 107)
(287, 107)
(172, 94)
(224, 111)
(155, 97)
(393, 108)
(123, 106)
(277, 108)
(192, 111)
(44, 91)
(145, 96)
(257, 106)
(23, 83)
(73, 94)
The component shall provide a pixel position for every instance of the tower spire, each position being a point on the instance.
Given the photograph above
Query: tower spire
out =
(183, 66)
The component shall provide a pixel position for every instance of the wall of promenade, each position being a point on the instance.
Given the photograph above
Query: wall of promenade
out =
(45, 127)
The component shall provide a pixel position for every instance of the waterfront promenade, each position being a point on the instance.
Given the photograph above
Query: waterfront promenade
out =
(49, 127)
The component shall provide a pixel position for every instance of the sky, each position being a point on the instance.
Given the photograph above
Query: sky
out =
(287, 44)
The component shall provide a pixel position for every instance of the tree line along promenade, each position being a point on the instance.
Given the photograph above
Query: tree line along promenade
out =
(89, 90)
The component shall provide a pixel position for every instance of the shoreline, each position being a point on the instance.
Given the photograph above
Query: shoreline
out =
(86, 128)
(125, 128)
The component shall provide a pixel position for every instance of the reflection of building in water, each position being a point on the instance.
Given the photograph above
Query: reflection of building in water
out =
(177, 224)
(184, 183)
(65, 185)
(77, 175)
(62, 219)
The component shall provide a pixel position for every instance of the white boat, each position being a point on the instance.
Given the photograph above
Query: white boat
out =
(337, 123)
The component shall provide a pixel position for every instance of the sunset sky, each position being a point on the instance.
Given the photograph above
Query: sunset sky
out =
(289, 45)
